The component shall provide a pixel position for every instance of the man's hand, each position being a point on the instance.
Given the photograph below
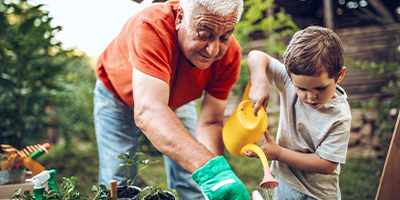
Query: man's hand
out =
(218, 181)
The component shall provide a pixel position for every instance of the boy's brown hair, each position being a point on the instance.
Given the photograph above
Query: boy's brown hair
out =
(314, 50)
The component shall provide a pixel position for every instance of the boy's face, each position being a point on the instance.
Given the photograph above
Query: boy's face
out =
(316, 90)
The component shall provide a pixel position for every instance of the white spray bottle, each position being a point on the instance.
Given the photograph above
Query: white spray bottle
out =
(41, 182)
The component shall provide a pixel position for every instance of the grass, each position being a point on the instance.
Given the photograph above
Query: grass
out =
(359, 177)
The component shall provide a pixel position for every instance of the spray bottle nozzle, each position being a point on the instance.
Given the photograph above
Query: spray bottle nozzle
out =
(42, 180)
(51, 182)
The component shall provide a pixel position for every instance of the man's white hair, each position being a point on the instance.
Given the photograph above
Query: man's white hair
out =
(218, 7)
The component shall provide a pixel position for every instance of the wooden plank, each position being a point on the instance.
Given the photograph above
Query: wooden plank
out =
(367, 30)
(7, 191)
(389, 184)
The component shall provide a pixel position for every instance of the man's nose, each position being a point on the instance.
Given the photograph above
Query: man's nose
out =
(213, 48)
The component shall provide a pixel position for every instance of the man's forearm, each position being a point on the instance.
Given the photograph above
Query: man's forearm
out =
(210, 136)
(170, 137)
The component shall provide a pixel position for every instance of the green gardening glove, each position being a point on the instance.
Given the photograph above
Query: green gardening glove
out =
(217, 181)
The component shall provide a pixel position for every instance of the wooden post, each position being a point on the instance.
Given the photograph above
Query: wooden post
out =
(390, 180)
(383, 11)
(328, 14)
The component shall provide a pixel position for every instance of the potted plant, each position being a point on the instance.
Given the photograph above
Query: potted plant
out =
(156, 193)
(67, 191)
(149, 192)
(130, 191)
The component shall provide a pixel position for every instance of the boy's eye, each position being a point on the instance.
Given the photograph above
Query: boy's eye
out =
(320, 88)
(302, 89)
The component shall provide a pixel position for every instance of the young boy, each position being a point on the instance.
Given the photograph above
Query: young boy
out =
(314, 124)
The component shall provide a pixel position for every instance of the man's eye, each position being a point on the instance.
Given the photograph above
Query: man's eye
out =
(204, 35)
(224, 38)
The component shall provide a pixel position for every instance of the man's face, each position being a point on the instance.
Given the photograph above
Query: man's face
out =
(315, 90)
(204, 37)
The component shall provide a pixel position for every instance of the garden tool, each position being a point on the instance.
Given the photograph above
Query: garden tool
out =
(28, 154)
(243, 130)
(41, 183)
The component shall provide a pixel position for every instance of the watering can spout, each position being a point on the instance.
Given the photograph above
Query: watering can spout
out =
(268, 181)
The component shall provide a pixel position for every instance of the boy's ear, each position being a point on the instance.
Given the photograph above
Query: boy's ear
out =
(341, 75)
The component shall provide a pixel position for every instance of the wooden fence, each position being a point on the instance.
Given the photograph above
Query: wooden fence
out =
(373, 44)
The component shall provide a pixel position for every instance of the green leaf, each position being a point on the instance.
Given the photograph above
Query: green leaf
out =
(16, 194)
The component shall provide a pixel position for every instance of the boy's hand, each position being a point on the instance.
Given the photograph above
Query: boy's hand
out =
(270, 148)
(259, 96)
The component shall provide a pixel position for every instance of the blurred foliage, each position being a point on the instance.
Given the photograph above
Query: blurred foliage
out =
(260, 19)
(37, 75)
(385, 122)
(29, 62)
(74, 104)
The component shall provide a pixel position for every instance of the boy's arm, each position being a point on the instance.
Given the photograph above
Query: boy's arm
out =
(257, 64)
(310, 162)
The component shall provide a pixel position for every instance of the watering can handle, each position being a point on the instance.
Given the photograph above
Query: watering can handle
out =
(246, 91)
(257, 150)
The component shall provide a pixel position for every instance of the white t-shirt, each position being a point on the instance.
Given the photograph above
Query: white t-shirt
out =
(325, 131)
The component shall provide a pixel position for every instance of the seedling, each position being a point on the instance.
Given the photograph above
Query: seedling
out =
(68, 191)
(141, 165)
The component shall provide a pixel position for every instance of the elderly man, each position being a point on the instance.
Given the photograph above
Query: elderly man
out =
(165, 57)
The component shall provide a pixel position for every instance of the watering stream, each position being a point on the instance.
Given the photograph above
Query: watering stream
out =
(268, 194)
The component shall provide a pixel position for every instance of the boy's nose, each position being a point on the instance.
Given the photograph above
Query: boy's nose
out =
(311, 95)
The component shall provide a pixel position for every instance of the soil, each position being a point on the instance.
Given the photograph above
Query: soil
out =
(161, 197)
(125, 192)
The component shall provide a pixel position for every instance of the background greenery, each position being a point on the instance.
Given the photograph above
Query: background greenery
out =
(46, 96)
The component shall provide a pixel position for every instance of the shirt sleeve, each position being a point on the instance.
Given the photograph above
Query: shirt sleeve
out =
(148, 52)
(334, 146)
(277, 75)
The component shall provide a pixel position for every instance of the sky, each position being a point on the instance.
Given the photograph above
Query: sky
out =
(89, 25)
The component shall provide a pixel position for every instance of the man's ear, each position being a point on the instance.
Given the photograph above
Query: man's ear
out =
(179, 19)
(341, 74)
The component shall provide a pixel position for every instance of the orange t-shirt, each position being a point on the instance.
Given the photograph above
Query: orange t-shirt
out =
(148, 42)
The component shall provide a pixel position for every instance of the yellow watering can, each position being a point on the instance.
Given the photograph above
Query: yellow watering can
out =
(243, 130)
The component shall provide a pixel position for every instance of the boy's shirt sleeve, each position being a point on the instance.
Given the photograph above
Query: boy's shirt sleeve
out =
(335, 144)
(277, 75)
